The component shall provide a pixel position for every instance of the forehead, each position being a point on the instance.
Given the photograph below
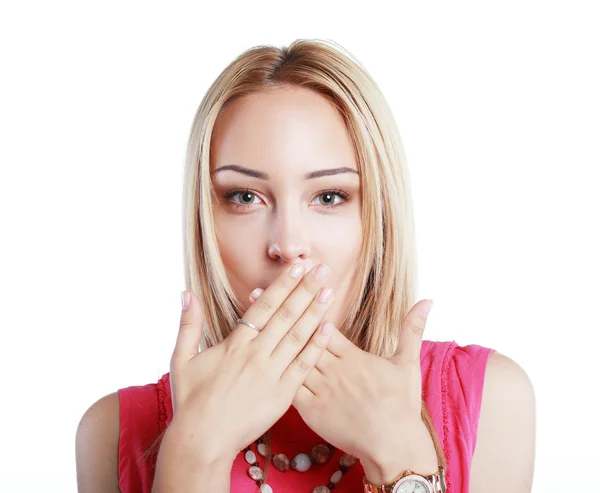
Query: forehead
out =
(283, 128)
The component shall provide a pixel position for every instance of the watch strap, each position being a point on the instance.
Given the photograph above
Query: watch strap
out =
(437, 481)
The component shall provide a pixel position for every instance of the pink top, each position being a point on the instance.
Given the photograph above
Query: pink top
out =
(452, 389)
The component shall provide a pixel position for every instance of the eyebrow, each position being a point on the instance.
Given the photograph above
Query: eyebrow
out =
(264, 176)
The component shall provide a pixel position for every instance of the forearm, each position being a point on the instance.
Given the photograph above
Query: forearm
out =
(180, 471)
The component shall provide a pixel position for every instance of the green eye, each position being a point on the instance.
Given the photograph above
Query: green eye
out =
(328, 198)
(246, 197)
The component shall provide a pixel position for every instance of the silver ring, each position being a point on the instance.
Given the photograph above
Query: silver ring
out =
(242, 321)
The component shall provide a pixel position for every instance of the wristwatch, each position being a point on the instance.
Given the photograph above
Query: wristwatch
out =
(411, 482)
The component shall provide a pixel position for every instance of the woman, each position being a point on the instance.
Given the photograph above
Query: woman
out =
(299, 241)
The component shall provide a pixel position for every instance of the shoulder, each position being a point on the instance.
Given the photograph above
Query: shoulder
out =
(508, 393)
(506, 434)
(96, 446)
(503, 373)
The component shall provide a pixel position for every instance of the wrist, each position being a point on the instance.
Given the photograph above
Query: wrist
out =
(176, 472)
(414, 451)
(196, 447)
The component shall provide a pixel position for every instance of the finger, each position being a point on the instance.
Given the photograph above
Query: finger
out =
(191, 324)
(303, 398)
(255, 294)
(327, 360)
(260, 312)
(298, 335)
(295, 374)
(411, 333)
(339, 345)
(314, 380)
(292, 309)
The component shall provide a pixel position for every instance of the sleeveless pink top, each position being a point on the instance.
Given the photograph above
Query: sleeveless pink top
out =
(452, 389)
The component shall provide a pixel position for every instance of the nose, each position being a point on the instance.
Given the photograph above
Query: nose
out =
(288, 241)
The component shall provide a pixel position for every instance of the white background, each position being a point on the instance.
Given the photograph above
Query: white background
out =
(497, 103)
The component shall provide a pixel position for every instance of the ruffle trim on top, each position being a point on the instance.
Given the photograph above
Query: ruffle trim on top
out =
(445, 418)
(162, 410)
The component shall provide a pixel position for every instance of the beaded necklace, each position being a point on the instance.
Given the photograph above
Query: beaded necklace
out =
(320, 454)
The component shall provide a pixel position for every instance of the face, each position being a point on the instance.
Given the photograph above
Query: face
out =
(288, 191)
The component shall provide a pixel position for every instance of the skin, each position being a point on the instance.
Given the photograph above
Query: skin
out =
(290, 219)
(286, 221)
(287, 218)
(286, 134)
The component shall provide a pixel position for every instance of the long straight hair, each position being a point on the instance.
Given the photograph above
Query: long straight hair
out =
(386, 280)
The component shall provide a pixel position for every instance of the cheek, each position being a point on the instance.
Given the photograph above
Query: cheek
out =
(240, 244)
(338, 244)
(336, 236)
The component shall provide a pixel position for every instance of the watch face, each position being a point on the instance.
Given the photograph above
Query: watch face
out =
(412, 484)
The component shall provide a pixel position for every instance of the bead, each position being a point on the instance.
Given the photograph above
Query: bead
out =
(321, 453)
(336, 477)
(256, 473)
(281, 462)
(301, 463)
(347, 460)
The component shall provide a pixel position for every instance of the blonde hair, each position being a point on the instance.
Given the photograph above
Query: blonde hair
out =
(387, 267)
(388, 251)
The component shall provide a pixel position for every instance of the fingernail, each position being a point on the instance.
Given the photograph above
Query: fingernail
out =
(426, 307)
(326, 328)
(297, 271)
(256, 293)
(324, 294)
(185, 300)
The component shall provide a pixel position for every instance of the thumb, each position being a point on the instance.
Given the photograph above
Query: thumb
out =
(190, 329)
(411, 333)
(255, 294)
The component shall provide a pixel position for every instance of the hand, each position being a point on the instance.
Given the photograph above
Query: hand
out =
(370, 406)
(228, 395)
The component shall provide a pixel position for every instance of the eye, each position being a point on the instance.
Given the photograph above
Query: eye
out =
(327, 198)
(244, 199)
